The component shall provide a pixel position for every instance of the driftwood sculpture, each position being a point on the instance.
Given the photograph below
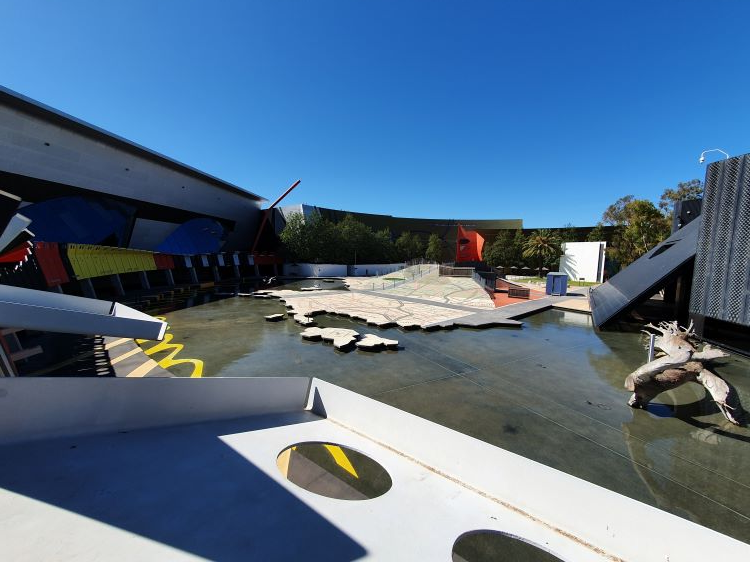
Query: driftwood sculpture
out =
(680, 362)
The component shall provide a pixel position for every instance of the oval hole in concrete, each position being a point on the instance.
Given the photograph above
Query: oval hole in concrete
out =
(483, 546)
(334, 471)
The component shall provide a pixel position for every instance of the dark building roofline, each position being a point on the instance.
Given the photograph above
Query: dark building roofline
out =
(469, 223)
(38, 109)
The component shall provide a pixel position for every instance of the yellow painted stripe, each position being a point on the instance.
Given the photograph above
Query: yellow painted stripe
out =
(125, 356)
(143, 369)
(341, 459)
(173, 349)
(115, 343)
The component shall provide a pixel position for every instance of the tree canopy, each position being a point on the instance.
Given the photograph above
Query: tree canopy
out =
(542, 245)
(409, 246)
(506, 250)
(685, 190)
(435, 249)
(316, 239)
(639, 226)
(568, 233)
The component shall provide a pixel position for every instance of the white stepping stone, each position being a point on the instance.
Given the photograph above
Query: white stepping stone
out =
(303, 320)
(274, 317)
(371, 341)
(340, 337)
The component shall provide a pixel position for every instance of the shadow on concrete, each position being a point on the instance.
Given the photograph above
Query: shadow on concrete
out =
(69, 355)
(180, 486)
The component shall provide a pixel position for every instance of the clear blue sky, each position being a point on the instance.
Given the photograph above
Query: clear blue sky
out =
(545, 110)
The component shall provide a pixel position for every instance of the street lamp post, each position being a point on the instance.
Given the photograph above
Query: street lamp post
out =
(702, 158)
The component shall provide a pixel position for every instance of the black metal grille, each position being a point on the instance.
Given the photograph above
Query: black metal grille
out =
(721, 282)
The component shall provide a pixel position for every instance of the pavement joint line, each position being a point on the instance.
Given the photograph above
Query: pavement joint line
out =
(125, 355)
(143, 369)
(421, 301)
(433, 362)
(451, 376)
(470, 380)
(418, 344)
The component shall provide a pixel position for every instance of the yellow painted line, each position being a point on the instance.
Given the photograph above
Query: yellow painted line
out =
(115, 343)
(125, 356)
(143, 369)
(174, 349)
(283, 461)
(341, 459)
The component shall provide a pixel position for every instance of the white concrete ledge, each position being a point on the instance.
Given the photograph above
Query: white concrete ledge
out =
(30, 309)
(120, 497)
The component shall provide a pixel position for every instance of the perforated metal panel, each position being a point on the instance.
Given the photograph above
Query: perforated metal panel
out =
(721, 282)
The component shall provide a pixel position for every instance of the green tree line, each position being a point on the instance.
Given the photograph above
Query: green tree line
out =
(635, 226)
(317, 239)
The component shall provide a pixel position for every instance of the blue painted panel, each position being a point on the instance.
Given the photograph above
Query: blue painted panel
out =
(197, 236)
(79, 220)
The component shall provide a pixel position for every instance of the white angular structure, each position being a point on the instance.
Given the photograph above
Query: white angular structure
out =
(583, 261)
(179, 468)
(30, 309)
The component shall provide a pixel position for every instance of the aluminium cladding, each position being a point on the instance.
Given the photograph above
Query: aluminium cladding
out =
(23, 103)
(721, 284)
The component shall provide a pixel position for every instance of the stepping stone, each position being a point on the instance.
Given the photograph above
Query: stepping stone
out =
(303, 320)
(340, 337)
(371, 341)
(312, 334)
(274, 317)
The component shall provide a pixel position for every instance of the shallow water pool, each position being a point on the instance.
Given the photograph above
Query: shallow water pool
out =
(551, 391)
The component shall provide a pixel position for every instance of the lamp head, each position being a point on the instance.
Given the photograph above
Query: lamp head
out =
(702, 159)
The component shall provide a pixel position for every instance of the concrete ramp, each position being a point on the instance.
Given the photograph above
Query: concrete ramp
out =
(503, 284)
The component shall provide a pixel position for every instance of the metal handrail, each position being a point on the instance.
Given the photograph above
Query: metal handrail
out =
(421, 272)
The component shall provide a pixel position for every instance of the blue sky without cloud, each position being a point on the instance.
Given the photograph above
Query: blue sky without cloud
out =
(545, 110)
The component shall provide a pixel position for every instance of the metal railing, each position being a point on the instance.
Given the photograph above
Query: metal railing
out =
(421, 270)
(484, 279)
(487, 282)
(450, 271)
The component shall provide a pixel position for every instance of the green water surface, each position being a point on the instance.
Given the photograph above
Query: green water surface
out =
(551, 391)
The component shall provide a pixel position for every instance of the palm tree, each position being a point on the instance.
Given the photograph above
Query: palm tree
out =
(541, 244)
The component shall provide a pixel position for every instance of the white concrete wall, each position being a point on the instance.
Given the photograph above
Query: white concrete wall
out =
(371, 269)
(43, 408)
(583, 260)
(75, 159)
(314, 269)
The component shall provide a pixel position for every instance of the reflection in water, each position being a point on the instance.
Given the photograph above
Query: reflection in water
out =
(494, 546)
(333, 471)
(577, 319)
